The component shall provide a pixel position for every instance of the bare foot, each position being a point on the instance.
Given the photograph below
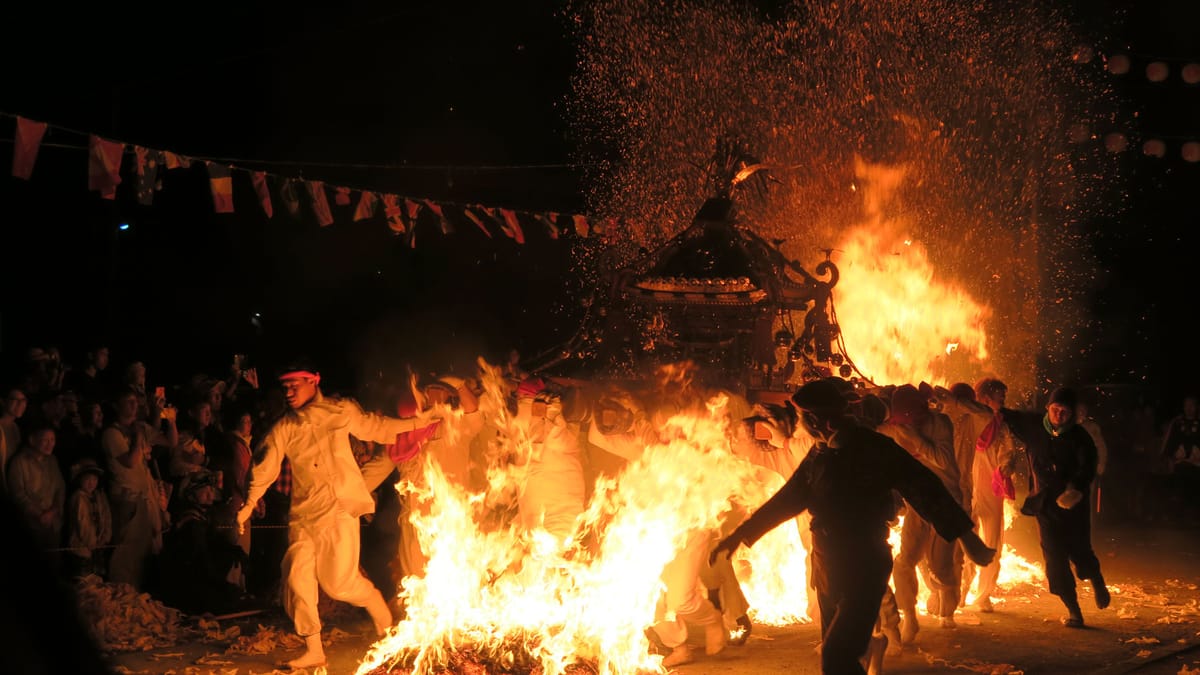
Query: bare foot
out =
(308, 660)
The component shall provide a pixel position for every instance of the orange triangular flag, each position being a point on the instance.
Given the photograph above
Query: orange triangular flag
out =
(221, 183)
(581, 225)
(259, 180)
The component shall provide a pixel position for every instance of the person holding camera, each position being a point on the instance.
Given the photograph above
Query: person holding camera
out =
(138, 498)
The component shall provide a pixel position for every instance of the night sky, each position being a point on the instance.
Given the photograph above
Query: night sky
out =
(412, 98)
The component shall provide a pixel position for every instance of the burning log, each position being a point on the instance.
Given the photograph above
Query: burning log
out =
(514, 655)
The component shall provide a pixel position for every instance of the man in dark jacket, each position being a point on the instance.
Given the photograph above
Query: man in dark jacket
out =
(1062, 464)
(846, 483)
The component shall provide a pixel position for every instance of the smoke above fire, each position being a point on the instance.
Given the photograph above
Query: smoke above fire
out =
(970, 102)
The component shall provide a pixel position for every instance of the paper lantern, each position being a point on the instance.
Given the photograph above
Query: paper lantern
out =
(1157, 71)
(1154, 148)
(1118, 64)
(1115, 142)
(1083, 54)
(1190, 151)
(1191, 73)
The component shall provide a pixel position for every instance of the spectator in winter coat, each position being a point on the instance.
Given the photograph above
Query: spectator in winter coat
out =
(1062, 461)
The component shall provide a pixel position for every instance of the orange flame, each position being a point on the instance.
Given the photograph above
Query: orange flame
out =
(900, 323)
(1014, 569)
(520, 595)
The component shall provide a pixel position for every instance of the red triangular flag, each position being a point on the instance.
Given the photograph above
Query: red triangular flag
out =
(477, 220)
(320, 204)
(175, 161)
(291, 200)
(104, 166)
(511, 226)
(552, 224)
(341, 196)
(259, 180)
(444, 224)
(221, 184)
(395, 215)
(149, 161)
(25, 146)
(412, 210)
(581, 225)
(367, 201)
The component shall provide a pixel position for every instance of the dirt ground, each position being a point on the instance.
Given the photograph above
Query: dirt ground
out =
(1152, 626)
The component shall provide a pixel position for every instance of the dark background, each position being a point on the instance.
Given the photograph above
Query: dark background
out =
(456, 102)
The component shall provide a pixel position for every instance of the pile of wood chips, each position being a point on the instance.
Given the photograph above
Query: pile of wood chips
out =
(264, 641)
(121, 619)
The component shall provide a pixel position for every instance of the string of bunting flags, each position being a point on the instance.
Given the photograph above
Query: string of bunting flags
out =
(106, 158)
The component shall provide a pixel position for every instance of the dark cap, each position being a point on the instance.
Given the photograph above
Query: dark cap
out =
(908, 402)
(819, 396)
(962, 391)
(1064, 396)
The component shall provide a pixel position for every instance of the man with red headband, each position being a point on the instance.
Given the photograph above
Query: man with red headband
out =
(328, 497)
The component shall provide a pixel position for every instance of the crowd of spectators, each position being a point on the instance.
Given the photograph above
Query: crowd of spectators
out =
(135, 480)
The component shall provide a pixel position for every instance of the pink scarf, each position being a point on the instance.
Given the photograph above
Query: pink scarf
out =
(988, 434)
(409, 443)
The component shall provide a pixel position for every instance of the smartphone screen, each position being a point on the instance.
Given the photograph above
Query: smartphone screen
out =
(608, 417)
(762, 432)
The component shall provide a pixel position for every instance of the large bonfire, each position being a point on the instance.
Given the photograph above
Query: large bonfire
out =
(513, 600)
(923, 146)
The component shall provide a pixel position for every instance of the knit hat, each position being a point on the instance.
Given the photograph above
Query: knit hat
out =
(1064, 396)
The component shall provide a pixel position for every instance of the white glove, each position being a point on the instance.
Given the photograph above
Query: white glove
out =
(1069, 498)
